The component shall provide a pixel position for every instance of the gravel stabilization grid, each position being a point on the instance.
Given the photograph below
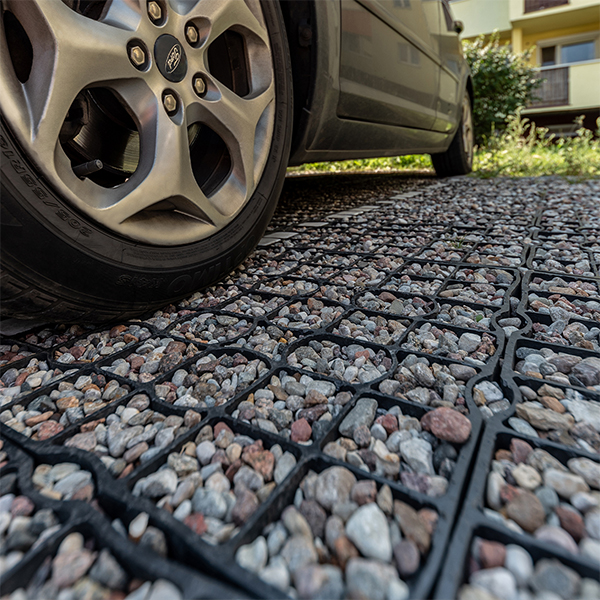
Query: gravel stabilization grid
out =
(399, 399)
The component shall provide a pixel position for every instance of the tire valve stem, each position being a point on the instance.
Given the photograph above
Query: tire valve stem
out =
(87, 168)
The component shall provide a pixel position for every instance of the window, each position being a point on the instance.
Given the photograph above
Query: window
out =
(579, 52)
(568, 51)
(548, 56)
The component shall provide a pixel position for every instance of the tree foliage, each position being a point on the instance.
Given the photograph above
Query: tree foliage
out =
(503, 83)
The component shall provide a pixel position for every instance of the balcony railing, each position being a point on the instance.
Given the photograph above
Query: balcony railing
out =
(534, 5)
(554, 90)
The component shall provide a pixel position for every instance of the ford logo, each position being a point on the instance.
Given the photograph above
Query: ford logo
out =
(173, 58)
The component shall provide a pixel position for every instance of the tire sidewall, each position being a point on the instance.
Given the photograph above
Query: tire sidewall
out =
(44, 236)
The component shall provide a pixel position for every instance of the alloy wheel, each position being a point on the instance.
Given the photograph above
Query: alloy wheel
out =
(154, 119)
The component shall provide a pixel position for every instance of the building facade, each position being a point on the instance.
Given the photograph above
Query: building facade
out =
(566, 37)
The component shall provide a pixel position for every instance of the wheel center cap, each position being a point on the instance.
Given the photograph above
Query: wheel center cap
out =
(170, 57)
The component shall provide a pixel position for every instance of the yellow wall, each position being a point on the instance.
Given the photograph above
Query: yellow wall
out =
(517, 8)
(584, 84)
(533, 38)
(481, 16)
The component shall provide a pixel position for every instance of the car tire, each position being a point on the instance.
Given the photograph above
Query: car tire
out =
(61, 264)
(458, 159)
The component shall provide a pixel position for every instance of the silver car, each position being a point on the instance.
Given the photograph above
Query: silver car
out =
(145, 143)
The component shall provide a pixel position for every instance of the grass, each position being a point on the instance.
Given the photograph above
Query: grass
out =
(521, 150)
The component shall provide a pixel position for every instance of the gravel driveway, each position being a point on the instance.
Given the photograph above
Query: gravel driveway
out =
(399, 356)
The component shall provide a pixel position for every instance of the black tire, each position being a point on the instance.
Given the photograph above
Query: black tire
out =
(457, 160)
(59, 265)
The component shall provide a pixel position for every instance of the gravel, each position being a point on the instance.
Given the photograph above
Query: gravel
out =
(508, 571)
(80, 567)
(532, 492)
(311, 314)
(395, 304)
(341, 538)
(151, 359)
(217, 481)
(64, 481)
(210, 381)
(419, 453)
(100, 345)
(429, 382)
(131, 435)
(562, 415)
(297, 407)
(471, 348)
(404, 292)
(559, 367)
(351, 363)
(374, 329)
(16, 383)
(22, 527)
(49, 414)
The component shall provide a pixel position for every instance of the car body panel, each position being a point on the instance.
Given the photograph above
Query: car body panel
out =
(384, 78)
(325, 134)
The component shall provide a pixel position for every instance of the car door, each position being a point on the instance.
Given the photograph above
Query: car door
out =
(389, 63)
(452, 63)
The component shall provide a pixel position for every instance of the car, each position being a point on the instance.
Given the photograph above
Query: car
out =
(145, 143)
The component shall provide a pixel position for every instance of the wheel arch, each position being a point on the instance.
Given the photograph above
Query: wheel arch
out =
(301, 29)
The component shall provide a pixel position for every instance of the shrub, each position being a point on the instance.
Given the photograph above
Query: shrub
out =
(523, 150)
(503, 82)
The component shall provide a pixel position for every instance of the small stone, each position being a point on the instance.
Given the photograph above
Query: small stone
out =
(447, 424)
(491, 554)
(527, 477)
(412, 526)
(565, 484)
(298, 552)
(385, 500)
(244, 507)
(407, 557)
(369, 579)
(284, 466)
(300, 431)
(334, 486)
(367, 528)
(364, 492)
(586, 468)
(552, 576)
(555, 536)
(253, 556)
(362, 414)
(108, 572)
(571, 522)
(319, 581)
(499, 582)
(418, 454)
(196, 523)
(316, 517)
(519, 562)
(527, 511)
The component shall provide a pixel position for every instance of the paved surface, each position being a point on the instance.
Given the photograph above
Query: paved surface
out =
(398, 356)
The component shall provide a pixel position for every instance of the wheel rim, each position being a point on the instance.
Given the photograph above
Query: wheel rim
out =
(175, 98)
(467, 129)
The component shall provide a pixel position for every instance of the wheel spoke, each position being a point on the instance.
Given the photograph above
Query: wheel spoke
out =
(165, 171)
(235, 120)
(125, 14)
(225, 14)
(64, 63)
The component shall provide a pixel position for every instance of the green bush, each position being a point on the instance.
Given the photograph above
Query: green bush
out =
(524, 150)
(503, 82)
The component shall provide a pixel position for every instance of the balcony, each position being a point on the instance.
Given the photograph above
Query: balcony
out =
(535, 5)
(554, 90)
(568, 88)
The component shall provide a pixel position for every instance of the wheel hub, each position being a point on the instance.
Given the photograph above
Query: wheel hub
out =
(170, 58)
